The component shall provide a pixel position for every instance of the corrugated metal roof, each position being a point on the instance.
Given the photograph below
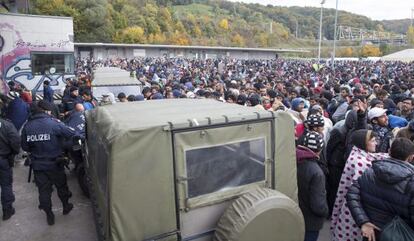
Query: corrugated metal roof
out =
(279, 50)
(36, 16)
(406, 55)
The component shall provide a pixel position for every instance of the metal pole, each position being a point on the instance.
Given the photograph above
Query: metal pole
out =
(334, 43)
(296, 32)
(320, 33)
(412, 16)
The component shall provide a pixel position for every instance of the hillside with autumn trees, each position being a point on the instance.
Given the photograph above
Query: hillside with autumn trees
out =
(197, 22)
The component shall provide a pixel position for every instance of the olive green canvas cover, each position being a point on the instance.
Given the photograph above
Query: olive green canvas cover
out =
(113, 76)
(130, 159)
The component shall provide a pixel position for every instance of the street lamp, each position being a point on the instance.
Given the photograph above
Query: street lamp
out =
(412, 15)
(320, 33)
(334, 43)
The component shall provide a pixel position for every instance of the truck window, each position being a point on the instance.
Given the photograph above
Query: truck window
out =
(218, 168)
(52, 63)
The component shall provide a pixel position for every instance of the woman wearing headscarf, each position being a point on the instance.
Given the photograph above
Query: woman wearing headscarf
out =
(364, 143)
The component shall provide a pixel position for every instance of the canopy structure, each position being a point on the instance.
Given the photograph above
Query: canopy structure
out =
(406, 55)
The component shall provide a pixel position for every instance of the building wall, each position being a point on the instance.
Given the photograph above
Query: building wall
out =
(25, 34)
(99, 52)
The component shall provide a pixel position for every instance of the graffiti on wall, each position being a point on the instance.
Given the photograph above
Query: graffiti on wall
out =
(21, 73)
(15, 62)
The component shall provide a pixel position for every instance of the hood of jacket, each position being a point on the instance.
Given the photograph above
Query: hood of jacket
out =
(304, 153)
(392, 171)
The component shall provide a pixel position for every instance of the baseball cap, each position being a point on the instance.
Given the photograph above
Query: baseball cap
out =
(376, 112)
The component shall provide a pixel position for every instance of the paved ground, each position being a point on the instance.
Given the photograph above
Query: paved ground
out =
(325, 235)
(29, 223)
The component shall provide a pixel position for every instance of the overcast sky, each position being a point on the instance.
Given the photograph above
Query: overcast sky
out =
(375, 9)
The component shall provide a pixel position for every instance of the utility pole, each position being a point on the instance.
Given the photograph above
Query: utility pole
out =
(334, 43)
(320, 33)
(271, 27)
(412, 16)
(297, 26)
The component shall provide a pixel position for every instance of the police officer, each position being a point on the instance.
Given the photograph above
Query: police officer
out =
(9, 146)
(42, 137)
(76, 120)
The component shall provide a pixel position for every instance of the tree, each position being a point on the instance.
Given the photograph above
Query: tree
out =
(178, 38)
(263, 40)
(158, 38)
(224, 24)
(384, 48)
(238, 41)
(410, 35)
(130, 35)
(370, 50)
(133, 16)
(345, 52)
(152, 26)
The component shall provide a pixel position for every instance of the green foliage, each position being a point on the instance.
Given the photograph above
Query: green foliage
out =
(199, 22)
(370, 50)
(131, 35)
(410, 35)
(384, 48)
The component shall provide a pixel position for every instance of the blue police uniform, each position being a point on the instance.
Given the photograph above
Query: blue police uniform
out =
(69, 103)
(42, 137)
(9, 146)
(76, 120)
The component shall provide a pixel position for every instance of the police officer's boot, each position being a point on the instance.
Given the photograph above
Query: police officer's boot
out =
(67, 207)
(7, 213)
(50, 217)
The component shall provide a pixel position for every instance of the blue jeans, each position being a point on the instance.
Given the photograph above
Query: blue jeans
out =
(311, 235)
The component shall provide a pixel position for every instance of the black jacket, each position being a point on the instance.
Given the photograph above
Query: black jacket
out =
(356, 120)
(42, 136)
(384, 191)
(311, 189)
(335, 153)
(9, 140)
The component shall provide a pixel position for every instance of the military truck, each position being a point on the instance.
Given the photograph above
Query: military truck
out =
(114, 80)
(192, 169)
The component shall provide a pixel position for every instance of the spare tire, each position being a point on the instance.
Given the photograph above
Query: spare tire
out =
(262, 214)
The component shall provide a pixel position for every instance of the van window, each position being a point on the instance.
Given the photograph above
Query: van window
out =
(217, 168)
(52, 63)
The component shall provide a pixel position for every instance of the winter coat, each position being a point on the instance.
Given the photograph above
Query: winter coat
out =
(340, 112)
(355, 120)
(342, 224)
(406, 132)
(17, 112)
(335, 152)
(48, 94)
(384, 138)
(383, 192)
(311, 189)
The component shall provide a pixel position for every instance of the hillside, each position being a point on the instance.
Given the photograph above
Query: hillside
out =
(398, 26)
(198, 22)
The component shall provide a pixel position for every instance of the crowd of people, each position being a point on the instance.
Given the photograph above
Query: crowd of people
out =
(354, 126)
